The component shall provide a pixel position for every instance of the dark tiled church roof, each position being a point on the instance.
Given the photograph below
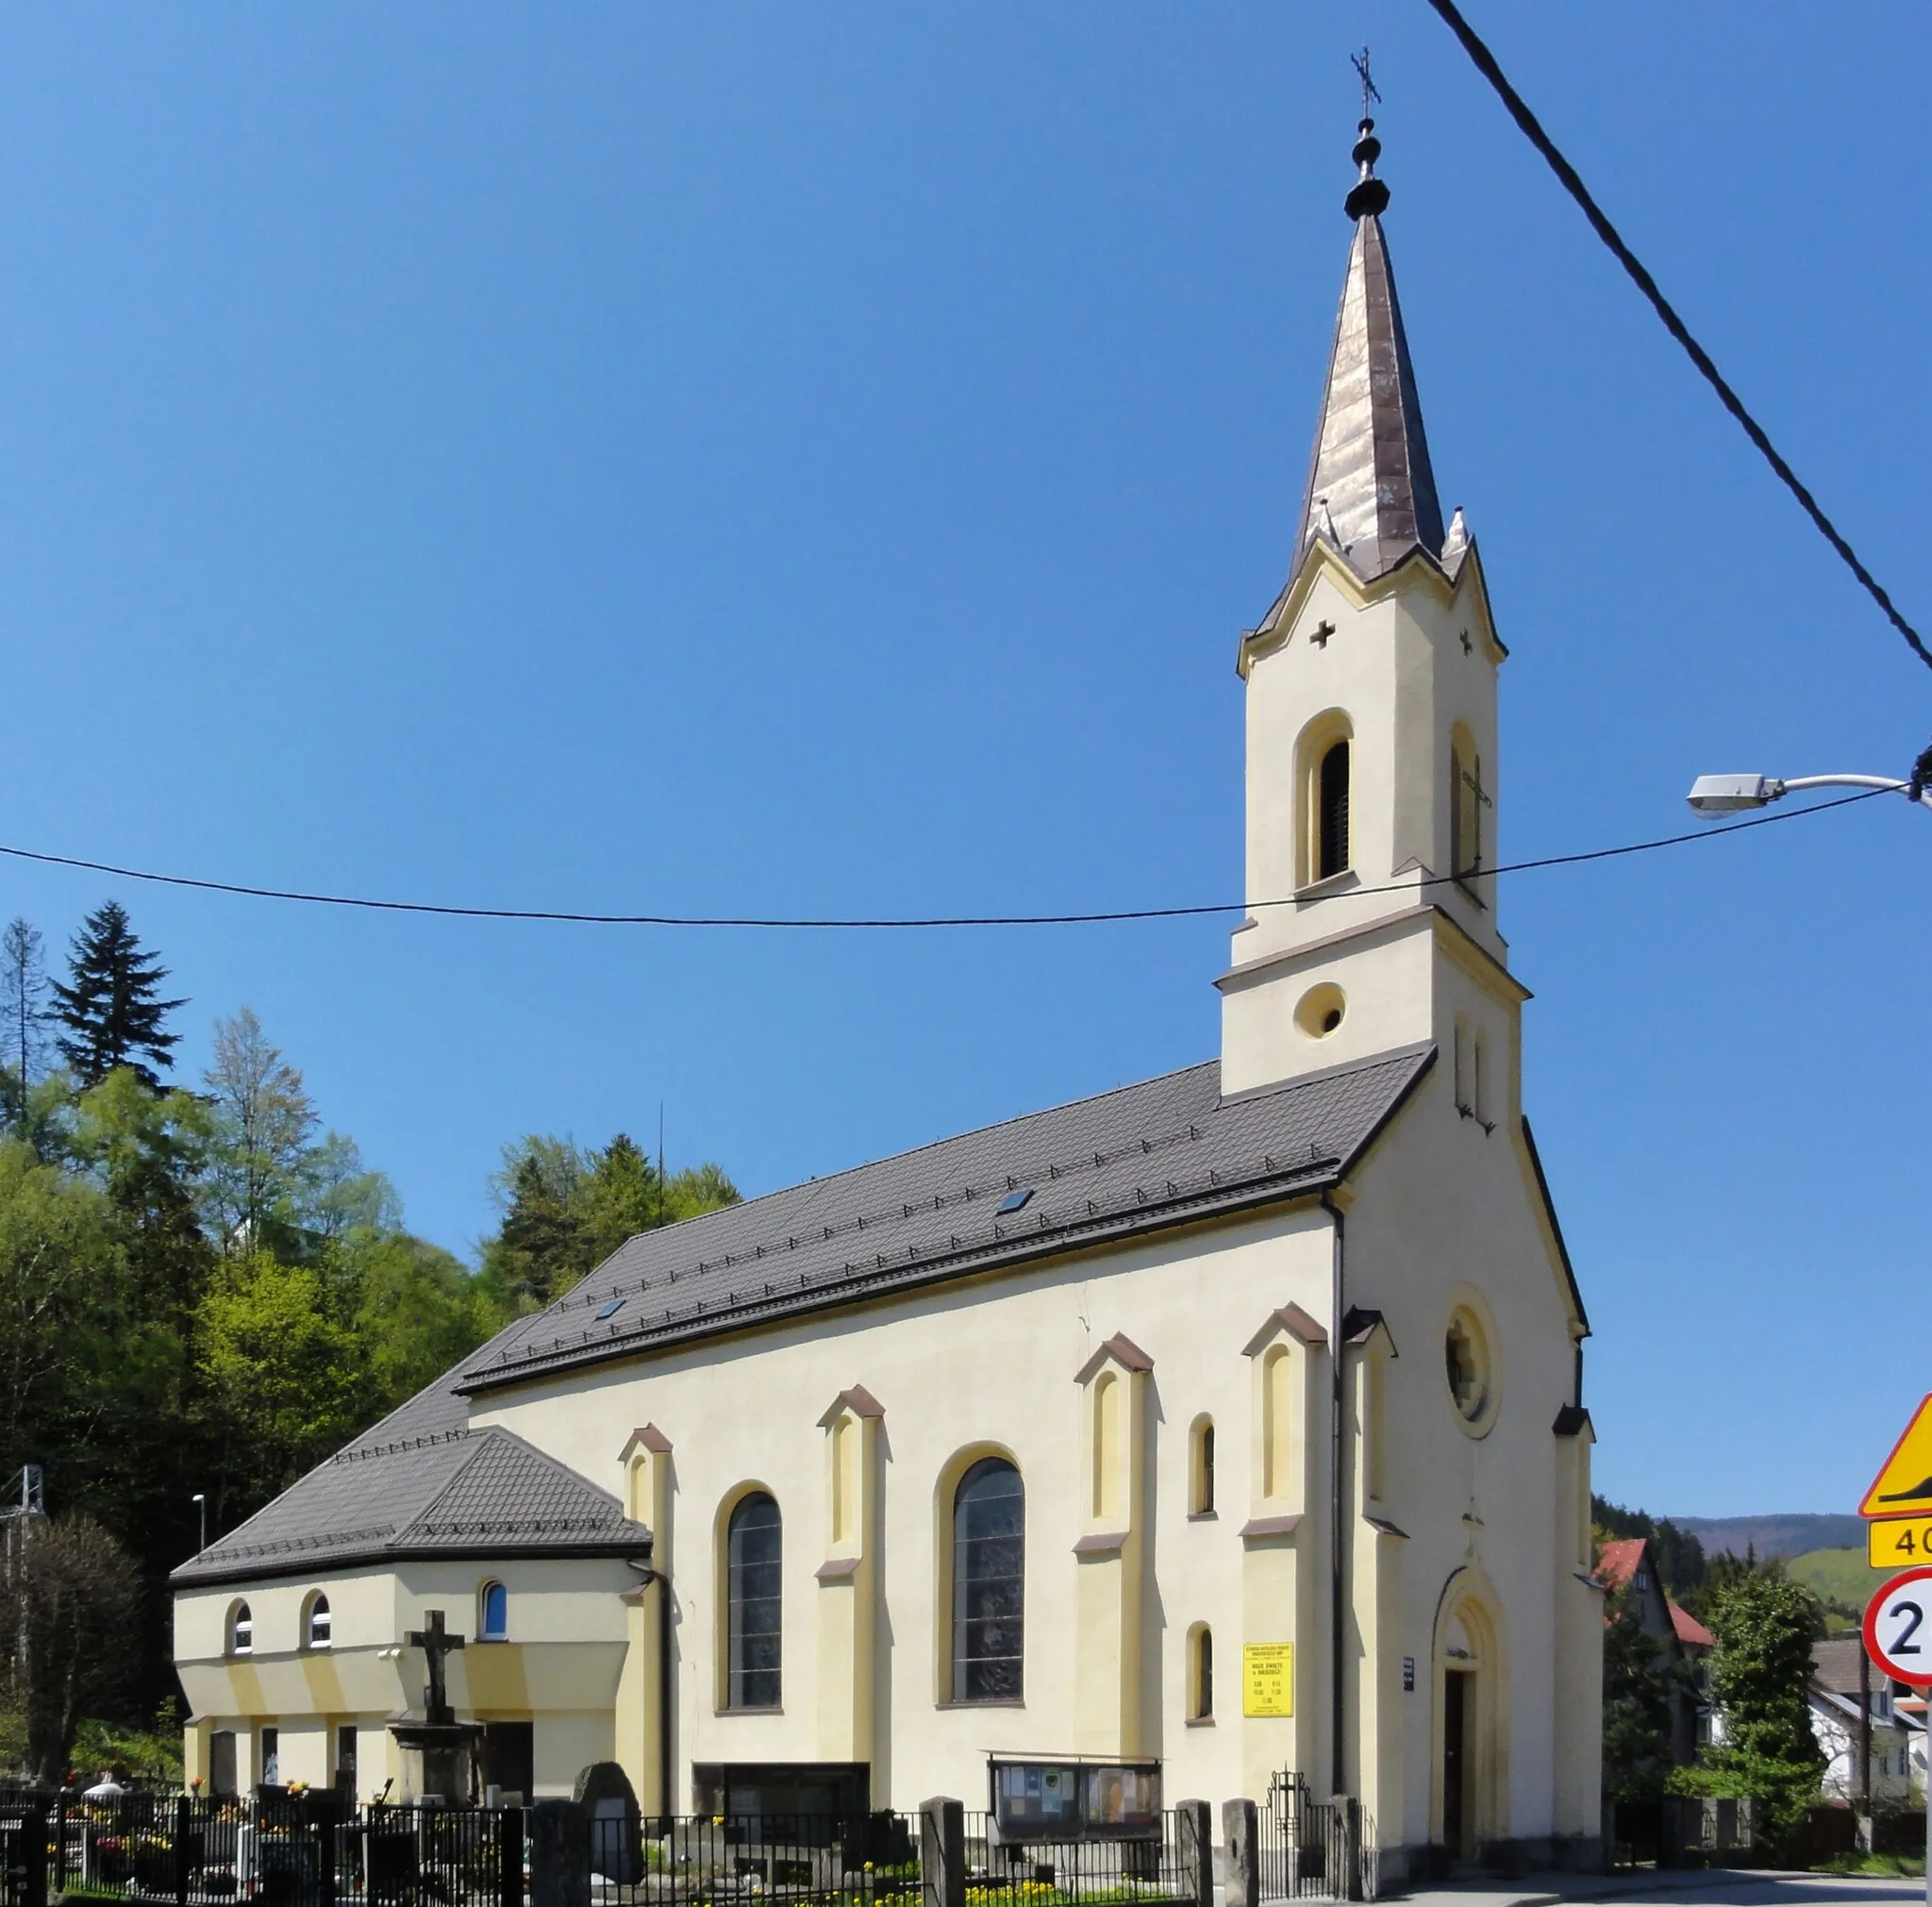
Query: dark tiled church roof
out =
(423, 1484)
(1167, 1151)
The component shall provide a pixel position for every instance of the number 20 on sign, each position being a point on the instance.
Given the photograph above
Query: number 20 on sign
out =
(1898, 1626)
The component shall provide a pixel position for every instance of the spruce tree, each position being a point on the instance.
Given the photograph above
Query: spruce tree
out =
(109, 1004)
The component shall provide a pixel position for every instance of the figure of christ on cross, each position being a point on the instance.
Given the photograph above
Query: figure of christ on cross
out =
(436, 1643)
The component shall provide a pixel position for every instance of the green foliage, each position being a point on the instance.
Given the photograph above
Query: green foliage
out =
(109, 1003)
(209, 1292)
(1765, 1625)
(1641, 1684)
(566, 1210)
(1842, 1582)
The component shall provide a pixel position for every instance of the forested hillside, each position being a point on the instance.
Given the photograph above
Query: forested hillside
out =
(204, 1289)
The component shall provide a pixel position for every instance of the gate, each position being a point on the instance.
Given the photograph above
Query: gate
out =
(23, 1853)
(1313, 1850)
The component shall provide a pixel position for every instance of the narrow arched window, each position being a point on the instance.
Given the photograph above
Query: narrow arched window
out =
(753, 1548)
(988, 1583)
(1201, 1674)
(1466, 803)
(316, 1629)
(241, 1630)
(1201, 1484)
(1331, 813)
(492, 1612)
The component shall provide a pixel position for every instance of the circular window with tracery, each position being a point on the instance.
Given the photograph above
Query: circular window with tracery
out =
(1466, 1354)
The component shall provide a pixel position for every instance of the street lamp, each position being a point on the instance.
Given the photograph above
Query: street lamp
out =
(1715, 795)
(201, 1504)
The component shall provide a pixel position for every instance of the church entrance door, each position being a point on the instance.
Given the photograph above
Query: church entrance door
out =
(1457, 1705)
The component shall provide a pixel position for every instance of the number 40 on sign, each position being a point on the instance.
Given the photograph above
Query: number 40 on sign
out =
(1903, 1539)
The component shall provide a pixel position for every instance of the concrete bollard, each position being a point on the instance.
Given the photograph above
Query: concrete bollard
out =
(1241, 1847)
(942, 1853)
(1196, 1822)
(1348, 1823)
(559, 1855)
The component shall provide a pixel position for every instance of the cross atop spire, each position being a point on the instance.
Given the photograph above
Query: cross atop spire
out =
(1371, 490)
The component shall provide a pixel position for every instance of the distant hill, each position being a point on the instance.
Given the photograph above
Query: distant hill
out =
(1839, 1576)
(1793, 1536)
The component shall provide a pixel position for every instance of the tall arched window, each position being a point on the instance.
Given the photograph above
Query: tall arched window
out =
(754, 1601)
(315, 1626)
(1201, 1673)
(988, 1583)
(1201, 1482)
(492, 1612)
(241, 1630)
(1331, 813)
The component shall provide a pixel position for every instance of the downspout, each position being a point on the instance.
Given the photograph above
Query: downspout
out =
(1337, 1582)
(654, 1577)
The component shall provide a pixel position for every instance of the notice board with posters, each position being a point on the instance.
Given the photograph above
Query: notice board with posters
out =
(1268, 1678)
(1074, 1801)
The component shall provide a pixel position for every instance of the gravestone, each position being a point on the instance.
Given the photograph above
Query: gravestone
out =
(604, 1794)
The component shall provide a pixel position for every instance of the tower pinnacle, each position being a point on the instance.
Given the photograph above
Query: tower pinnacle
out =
(1371, 490)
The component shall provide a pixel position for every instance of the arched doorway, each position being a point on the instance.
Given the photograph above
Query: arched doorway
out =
(1471, 1732)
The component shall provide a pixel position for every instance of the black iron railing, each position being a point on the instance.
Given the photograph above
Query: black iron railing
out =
(1151, 1862)
(1314, 1851)
(842, 1861)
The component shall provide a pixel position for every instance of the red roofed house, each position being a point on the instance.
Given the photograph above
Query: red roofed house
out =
(1626, 1565)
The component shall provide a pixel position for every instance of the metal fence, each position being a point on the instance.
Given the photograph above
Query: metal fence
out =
(842, 1861)
(1314, 1851)
(279, 1852)
(1160, 1864)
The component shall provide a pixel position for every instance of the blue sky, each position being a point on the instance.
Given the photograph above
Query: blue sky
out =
(818, 460)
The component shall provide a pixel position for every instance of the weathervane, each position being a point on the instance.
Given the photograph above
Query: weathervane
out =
(1361, 62)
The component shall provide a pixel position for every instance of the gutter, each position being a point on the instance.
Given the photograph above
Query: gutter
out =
(1337, 1582)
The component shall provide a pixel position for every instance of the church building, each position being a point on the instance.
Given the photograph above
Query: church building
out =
(1222, 1425)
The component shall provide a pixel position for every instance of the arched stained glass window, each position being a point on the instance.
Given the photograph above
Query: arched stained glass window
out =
(754, 1545)
(988, 1583)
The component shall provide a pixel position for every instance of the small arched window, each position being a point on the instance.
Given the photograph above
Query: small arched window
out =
(241, 1630)
(753, 1584)
(1201, 1673)
(315, 1624)
(492, 1612)
(1331, 813)
(1201, 1479)
(988, 1583)
(1467, 801)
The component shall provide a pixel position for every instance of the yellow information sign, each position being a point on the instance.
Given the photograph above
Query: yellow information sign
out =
(1268, 1678)
(1904, 1487)
(1894, 1541)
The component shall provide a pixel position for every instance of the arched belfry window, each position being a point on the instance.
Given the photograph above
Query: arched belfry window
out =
(753, 1560)
(1331, 812)
(988, 1583)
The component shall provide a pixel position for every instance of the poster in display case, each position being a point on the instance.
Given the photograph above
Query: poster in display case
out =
(1074, 1801)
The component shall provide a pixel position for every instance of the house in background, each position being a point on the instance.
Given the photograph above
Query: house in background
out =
(1898, 1726)
(1627, 1565)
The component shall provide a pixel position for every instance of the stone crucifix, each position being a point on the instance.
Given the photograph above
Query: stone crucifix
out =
(436, 1643)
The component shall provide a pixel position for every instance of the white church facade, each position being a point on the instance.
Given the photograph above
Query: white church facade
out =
(1222, 1425)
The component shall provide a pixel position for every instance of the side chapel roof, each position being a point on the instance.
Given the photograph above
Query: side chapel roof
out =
(1371, 490)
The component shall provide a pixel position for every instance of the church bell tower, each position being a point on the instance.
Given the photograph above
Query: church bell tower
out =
(1371, 777)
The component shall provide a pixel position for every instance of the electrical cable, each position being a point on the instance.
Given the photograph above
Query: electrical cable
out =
(1485, 62)
(1097, 919)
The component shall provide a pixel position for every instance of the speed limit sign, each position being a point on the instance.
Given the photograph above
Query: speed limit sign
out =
(1898, 1626)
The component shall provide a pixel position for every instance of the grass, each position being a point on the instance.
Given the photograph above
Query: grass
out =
(1881, 1867)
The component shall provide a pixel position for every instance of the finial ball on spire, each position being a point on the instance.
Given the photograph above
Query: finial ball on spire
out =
(1369, 198)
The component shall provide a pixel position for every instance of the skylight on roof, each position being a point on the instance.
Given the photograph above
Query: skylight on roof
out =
(610, 1309)
(1014, 1201)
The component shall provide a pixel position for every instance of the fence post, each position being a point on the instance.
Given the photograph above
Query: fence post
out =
(942, 1853)
(181, 1830)
(559, 1855)
(1194, 1835)
(33, 1855)
(510, 1852)
(1239, 1834)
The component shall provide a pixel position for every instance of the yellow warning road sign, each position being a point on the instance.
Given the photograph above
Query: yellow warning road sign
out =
(1893, 1542)
(1904, 1487)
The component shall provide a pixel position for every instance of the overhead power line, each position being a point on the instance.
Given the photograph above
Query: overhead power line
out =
(1096, 919)
(1485, 62)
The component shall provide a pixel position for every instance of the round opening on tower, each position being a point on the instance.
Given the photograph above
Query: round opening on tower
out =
(1322, 1010)
(1466, 1357)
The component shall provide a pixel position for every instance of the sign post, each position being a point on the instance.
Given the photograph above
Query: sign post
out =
(1898, 1620)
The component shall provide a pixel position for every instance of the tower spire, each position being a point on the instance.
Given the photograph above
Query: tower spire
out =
(1369, 477)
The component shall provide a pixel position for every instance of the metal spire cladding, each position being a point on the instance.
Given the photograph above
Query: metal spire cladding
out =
(1371, 490)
